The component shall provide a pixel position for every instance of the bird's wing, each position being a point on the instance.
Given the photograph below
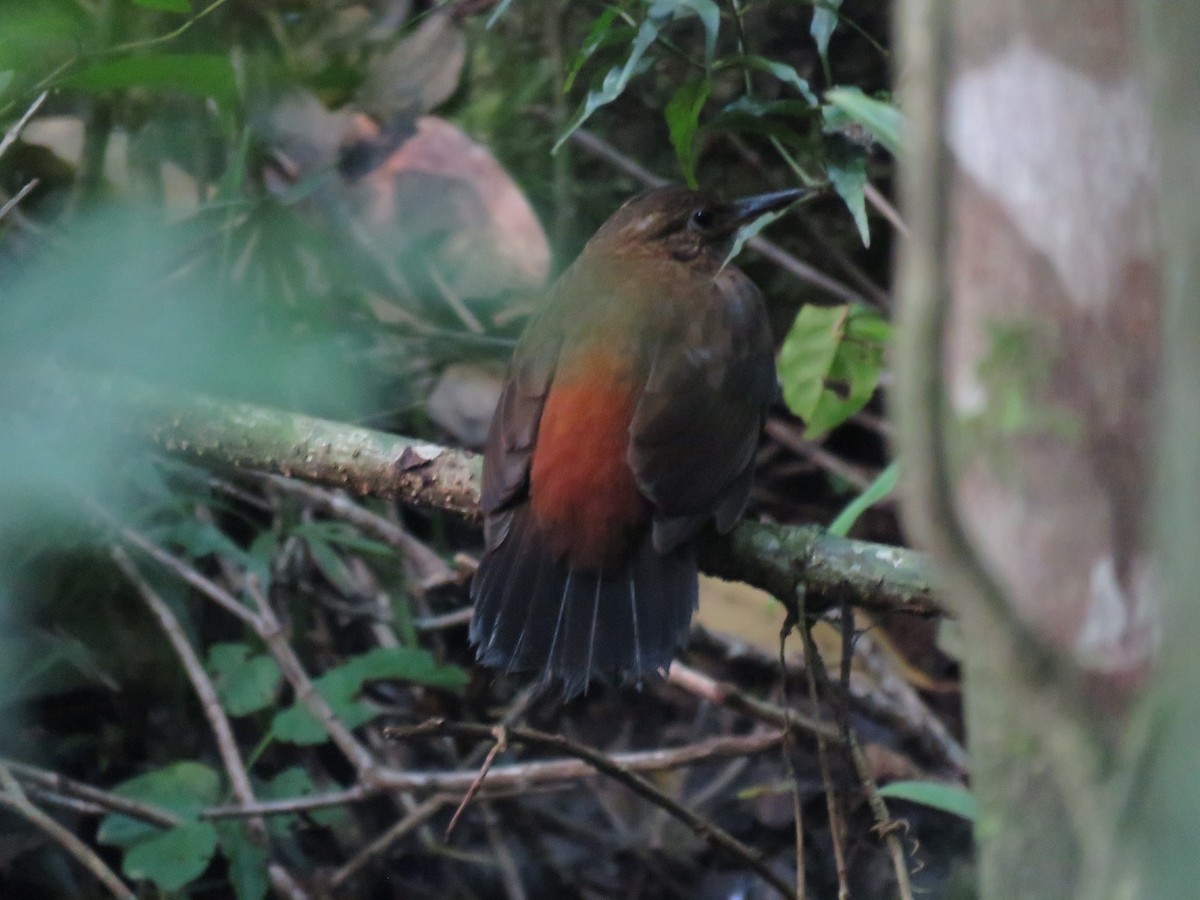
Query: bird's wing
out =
(514, 427)
(696, 428)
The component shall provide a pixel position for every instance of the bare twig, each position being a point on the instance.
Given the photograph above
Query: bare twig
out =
(18, 197)
(14, 799)
(499, 747)
(62, 784)
(811, 655)
(606, 765)
(231, 757)
(416, 817)
(792, 437)
(885, 208)
(510, 876)
(14, 130)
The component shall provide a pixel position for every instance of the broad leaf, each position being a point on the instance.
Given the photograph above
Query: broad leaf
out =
(204, 74)
(183, 788)
(244, 683)
(846, 167)
(947, 797)
(881, 119)
(173, 858)
(247, 861)
(824, 21)
(180, 6)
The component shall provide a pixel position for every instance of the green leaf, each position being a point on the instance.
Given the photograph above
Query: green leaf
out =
(244, 683)
(949, 798)
(881, 119)
(6, 78)
(247, 861)
(174, 857)
(782, 71)
(882, 486)
(807, 356)
(706, 11)
(846, 167)
(824, 21)
(205, 74)
(181, 6)
(183, 788)
(341, 686)
(831, 362)
(292, 783)
(749, 230)
(599, 35)
(614, 82)
(683, 118)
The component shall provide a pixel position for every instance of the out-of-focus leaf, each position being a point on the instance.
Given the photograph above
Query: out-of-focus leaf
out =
(881, 119)
(500, 10)
(824, 21)
(782, 71)
(292, 783)
(180, 6)
(247, 861)
(831, 362)
(600, 34)
(947, 797)
(174, 857)
(245, 683)
(882, 486)
(706, 11)
(183, 788)
(204, 74)
(683, 118)
(418, 73)
(846, 167)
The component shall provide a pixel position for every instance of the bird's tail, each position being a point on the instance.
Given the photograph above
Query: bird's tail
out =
(535, 613)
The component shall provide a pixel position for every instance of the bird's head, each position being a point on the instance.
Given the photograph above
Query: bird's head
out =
(683, 225)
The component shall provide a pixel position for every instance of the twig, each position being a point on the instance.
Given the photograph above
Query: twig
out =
(18, 197)
(728, 695)
(501, 736)
(272, 634)
(791, 437)
(417, 817)
(831, 805)
(789, 752)
(14, 799)
(885, 825)
(431, 569)
(62, 784)
(18, 126)
(510, 875)
(885, 208)
(231, 757)
(606, 765)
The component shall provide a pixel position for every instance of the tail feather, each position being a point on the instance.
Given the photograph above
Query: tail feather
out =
(534, 613)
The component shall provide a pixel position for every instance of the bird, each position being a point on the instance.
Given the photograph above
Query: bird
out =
(629, 418)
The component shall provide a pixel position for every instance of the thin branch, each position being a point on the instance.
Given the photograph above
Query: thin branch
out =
(778, 559)
(14, 799)
(417, 817)
(69, 787)
(231, 756)
(18, 197)
(14, 130)
(606, 765)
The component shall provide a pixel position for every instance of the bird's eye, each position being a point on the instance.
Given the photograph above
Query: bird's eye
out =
(702, 219)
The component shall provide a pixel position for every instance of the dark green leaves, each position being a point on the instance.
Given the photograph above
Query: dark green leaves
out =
(180, 6)
(169, 857)
(683, 118)
(881, 487)
(244, 683)
(881, 119)
(824, 21)
(204, 74)
(341, 686)
(830, 363)
(947, 797)
(614, 82)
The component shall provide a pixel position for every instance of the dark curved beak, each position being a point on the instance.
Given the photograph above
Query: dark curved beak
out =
(739, 212)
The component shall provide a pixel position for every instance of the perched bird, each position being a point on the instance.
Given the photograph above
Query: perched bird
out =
(630, 417)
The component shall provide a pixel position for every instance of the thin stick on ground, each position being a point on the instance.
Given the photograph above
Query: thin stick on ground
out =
(231, 757)
(13, 798)
(831, 804)
(606, 765)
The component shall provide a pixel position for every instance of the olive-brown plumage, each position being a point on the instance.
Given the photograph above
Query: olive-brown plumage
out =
(629, 418)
